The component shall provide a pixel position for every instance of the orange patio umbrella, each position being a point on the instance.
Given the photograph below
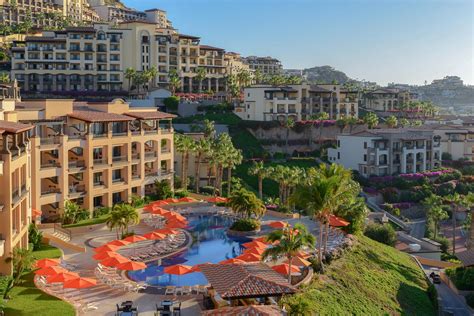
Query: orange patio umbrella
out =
(284, 268)
(114, 261)
(166, 231)
(62, 277)
(105, 255)
(80, 283)
(255, 250)
(176, 216)
(47, 262)
(171, 200)
(232, 261)
(106, 248)
(299, 262)
(278, 224)
(175, 224)
(132, 266)
(149, 208)
(249, 257)
(255, 244)
(135, 238)
(187, 199)
(178, 269)
(197, 267)
(335, 221)
(154, 236)
(262, 239)
(160, 211)
(119, 243)
(51, 270)
(213, 199)
(159, 203)
(303, 254)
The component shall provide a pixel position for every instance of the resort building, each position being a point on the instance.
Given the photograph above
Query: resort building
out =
(235, 64)
(456, 140)
(15, 178)
(95, 154)
(382, 152)
(266, 65)
(387, 99)
(299, 102)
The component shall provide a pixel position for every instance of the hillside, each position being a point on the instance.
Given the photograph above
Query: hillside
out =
(325, 74)
(371, 279)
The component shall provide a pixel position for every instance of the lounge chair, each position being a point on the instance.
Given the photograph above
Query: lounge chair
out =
(186, 290)
(170, 290)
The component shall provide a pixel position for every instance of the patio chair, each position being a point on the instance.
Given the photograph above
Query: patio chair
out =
(179, 290)
(170, 290)
(186, 290)
(177, 310)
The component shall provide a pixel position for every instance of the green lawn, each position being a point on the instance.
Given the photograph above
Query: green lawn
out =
(88, 222)
(270, 187)
(372, 279)
(28, 300)
(218, 118)
(245, 141)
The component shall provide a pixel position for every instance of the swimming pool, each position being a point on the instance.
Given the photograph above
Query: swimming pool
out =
(210, 244)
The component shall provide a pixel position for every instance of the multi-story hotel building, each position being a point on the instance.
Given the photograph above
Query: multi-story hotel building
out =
(387, 99)
(15, 168)
(299, 102)
(235, 64)
(95, 154)
(85, 59)
(456, 140)
(382, 152)
(45, 12)
(266, 65)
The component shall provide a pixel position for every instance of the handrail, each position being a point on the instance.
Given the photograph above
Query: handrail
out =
(58, 228)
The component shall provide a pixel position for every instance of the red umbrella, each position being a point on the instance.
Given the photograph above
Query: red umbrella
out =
(187, 200)
(214, 199)
(119, 243)
(262, 239)
(300, 262)
(278, 224)
(135, 238)
(175, 224)
(335, 221)
(178, 269)
(303, 254)
(166, 231)
(44, 263)
(106, 248)
(114, 261)
(284, 268)
(171, 200)
(159, 203)
(232, 261)
(154, 236)
(51, 270)
(255, 250)
(80, 283)
(175, 217)
(149, 208)
(105, 255)
(62, 277)
(132, 266)
(160, 211)
(255, 244)
(249, 257)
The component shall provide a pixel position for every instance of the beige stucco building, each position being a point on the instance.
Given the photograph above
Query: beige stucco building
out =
(299, 102)
(387, 99)
(266, 65)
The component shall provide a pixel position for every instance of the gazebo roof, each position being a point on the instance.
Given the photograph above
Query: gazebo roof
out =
(233, 281)
(260, 310)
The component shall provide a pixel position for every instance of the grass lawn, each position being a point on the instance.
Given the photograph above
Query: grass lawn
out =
(245, 141)
(88, 222)
(270, 187)
(372, 279)
(218, 118)
(29, 300)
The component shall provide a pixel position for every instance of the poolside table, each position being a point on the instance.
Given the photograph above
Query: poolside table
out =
(167, 305)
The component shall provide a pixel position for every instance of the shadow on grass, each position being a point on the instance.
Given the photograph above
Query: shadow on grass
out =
(414, 301)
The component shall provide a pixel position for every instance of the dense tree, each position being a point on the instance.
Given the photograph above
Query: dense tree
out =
(371, 119)
(246, 204)
(183, 145)
(392, 121)
(258, 169)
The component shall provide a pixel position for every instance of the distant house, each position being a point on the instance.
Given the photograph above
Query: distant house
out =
(153, 99)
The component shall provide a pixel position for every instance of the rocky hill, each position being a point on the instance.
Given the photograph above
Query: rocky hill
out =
(321, 74)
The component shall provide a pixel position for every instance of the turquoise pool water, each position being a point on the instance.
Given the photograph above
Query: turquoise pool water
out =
(210, 244)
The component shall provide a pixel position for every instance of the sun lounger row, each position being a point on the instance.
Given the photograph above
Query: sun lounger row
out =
(116, 281)
(185, 290)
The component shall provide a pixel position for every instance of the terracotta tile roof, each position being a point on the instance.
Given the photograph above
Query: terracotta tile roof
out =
(233, 281)
(188, 36)
(466, 257)
(96, 116)
(251, 310)
(207, 47)
(155, 115)
(13, 127)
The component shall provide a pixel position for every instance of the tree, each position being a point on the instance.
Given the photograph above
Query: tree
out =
(457, 201)
(233, 159)
(341, 123)
(4, 77)
(289, 242)
(246, 204)
(73, 213)
(258, 169)
(208, 129)
(163, 189)
(183, 145)
(470, 239)
(258, 76)
(115, 221)
(22, 260)
(435, 212)
(200, 76)
(130, 74)
(174, 81)
(35, 236)
(150, 75)
(351, 121)
(371, 120)
(404, 122)
(392, 121)
(128, 213)
(201, 148)
(243, 78)
(289, 124)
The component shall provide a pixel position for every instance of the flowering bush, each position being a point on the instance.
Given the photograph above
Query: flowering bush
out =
(370, 190)
(413, 176)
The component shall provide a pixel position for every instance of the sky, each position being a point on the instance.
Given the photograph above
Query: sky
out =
(402, 41)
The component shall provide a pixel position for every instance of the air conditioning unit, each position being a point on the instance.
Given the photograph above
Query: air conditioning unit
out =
(414, 247)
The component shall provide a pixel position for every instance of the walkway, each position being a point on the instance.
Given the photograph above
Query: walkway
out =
(461, 239)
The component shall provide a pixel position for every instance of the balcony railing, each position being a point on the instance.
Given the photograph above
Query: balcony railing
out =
(136, 156)
(50, 191)
(119, 158)
(77, 164)
(51, 164)
(100, 161)
(150, 155)
(51, 140)
(118, 180)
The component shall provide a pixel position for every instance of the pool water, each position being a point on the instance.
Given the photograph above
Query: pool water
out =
(210, 244)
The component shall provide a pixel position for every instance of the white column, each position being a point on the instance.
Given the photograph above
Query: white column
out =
(404, 163)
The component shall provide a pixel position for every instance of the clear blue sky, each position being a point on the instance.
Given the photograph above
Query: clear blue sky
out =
(407, 41)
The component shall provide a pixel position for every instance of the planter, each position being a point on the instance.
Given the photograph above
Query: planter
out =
(237, 233)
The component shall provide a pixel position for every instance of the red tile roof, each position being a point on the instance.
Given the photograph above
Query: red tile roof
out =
(96, 116)
(232, 281)
(154, 115)
(13, 127)
(251, 310)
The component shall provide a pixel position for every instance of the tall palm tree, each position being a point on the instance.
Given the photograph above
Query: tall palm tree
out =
(116, 221)
(151, 74)
(289, 124)
(435, 211)
(258, 76)
(4, 77)
(290, 241)
(129, 75)
(371, 120)
(174, 81)
(258, 169)
(183, 145)
(470, 239)
(200, 76)
(129, 214)
(457, 201)
(201, 148)
(392, 121)
(234, 158)
(246, 204)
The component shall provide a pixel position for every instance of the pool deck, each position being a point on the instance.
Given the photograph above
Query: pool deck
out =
(106, 298)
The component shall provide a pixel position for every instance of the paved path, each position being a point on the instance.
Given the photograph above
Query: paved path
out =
(447, 231)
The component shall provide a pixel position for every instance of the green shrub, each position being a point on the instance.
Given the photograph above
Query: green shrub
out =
(207, 190)
(163, 189)
(462, 277)
(381, 233)
(470, 299)
(171, 103)
(101, 211)
(444, 243)
(283, 209)
(245, 225)
(181, 194)
(35, 237)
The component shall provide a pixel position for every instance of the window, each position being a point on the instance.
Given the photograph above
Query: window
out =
(365, 145)
(338, 143)
(338, 155)
(97, 201)
(97, 153)
(116, 198)
(98, 179)
(116, 151)
(117, 175)
(365, 157)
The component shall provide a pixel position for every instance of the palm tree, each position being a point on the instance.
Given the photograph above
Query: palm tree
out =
(470, 239)
(130, 74)
(392, 121)
(4, 77)
(174, 81)
(351, 121)
(183, 145)
(115, 221)
(129, 214)
(246, 204)
(289, 124)
(457, 201)
(243, 78)
(234, 158)
(342, 124)
(290, 241)
(151, 75)
(22, 260)
(435, 211)
(404, 122)
(371, 120)
(258, 76)
(208, 129)
(200, 76)
(258, 169)
(201, 148)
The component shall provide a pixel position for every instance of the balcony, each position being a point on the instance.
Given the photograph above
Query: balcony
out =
(77, 191)
(150, 155)
(79, 164)
(119, 159)
(118, 181)
(99, 135)
(50, 164)
(135, 156)
(18, 194)
(135, 176)
(99, 184)
(50, 140)
(50, 191)
(100, 162)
